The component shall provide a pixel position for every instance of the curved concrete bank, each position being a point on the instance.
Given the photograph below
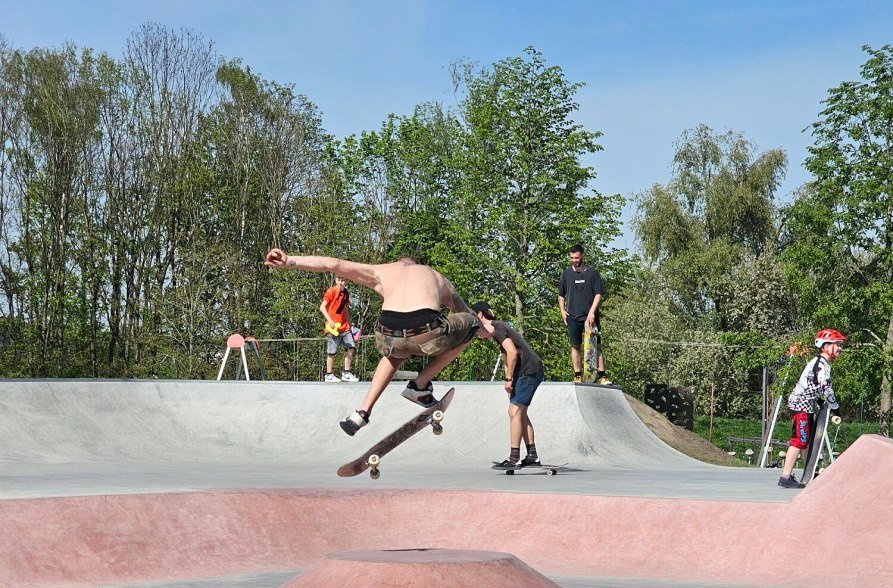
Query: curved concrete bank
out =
(159, 537)
(420, 568)
(139, 421)
(80, 437)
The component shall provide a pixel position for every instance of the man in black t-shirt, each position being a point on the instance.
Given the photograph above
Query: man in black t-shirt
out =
(580, 293)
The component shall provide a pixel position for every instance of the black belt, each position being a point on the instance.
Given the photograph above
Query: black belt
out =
(435, 324)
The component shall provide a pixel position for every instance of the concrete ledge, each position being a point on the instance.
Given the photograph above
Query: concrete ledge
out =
(420, 567)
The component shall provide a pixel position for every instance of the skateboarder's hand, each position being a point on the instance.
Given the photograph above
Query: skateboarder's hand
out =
(508, 386)
(275, 259)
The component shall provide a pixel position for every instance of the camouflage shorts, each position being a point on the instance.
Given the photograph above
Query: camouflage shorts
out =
(454, 330)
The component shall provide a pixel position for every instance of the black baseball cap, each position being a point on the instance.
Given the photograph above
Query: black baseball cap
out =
(483, 307)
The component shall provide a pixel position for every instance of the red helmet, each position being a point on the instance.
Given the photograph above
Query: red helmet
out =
(828, 336)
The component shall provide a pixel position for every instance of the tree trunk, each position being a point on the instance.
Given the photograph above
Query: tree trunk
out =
(887, 354)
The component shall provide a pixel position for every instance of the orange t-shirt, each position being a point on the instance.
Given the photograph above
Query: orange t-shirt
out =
(336, 305)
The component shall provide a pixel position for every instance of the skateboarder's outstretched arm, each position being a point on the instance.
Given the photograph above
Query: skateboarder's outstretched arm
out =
(361, 273)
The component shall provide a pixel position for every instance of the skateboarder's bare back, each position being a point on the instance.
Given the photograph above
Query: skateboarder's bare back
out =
(410, 324)
(406, 286)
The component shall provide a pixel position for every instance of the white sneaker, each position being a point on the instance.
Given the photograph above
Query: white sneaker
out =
(354, 422)
(332, 378)
(349, 377)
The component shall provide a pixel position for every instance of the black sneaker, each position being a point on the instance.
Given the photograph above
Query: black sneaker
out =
(507, 465)
(530, 461)
(353, 423)
(422, 397)
(790, 482)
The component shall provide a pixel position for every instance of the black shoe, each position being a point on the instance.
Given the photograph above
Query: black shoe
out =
(790, 482)
(530, 461)
(507, 465)
(354, 422)
(422, 397)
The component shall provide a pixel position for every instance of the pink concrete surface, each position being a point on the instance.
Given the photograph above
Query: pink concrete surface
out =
(844, 515)
(420, 568)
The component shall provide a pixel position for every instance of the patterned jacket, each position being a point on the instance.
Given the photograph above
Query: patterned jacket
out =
(815, 381)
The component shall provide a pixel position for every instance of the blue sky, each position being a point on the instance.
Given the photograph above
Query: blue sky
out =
(652, 69)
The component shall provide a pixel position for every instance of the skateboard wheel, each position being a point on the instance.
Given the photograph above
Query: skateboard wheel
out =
(437, 428)
(551, 472)
(374, 473)
(509, 472)
(835, 420)
(373, 460)
(437, 416)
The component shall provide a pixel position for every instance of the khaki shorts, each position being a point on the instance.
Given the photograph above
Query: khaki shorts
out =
(455, 330)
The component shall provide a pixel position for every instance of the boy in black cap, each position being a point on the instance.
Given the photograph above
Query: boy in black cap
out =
(523, 375)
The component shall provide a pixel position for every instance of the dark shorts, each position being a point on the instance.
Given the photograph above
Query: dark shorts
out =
(801, 423)
(576, 329)
(525, 387)
(454, 330)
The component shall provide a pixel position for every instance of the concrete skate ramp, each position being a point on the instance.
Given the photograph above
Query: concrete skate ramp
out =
(126, 421)
(100, 540)
(693, 524)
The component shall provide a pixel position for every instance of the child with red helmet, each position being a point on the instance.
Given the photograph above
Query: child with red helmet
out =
(815, 381)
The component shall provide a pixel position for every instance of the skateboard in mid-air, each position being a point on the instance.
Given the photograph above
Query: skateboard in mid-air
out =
(816, 444)
(548, 469)
(372, 458)
(590, 354)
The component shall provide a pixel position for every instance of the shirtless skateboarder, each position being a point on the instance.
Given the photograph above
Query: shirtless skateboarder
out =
(411, 322)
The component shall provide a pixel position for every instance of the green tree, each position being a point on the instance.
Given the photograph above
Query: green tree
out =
(525, 195)
(51, 168)
(166, 81)
(492, 194)
(715, 215)
(841, 228)
(267, 181)
(709, 241)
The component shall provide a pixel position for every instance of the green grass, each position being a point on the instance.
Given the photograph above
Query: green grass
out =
(724, 428)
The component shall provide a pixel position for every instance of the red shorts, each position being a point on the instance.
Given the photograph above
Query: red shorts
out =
(800, 430)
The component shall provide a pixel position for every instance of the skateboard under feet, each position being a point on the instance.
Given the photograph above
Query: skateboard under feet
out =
(548, 469)
(371, 460)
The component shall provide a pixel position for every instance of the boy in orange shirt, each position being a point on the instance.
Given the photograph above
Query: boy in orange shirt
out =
(334, 308)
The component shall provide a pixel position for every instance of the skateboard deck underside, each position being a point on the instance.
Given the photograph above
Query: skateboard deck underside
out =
(390, 442)
(815, 445)
(590, 355)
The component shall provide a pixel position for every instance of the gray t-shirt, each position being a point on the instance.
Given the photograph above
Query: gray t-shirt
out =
(528, 363)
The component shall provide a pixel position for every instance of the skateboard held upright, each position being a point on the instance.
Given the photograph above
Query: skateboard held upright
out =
(590, 354)
(372, 458)
(814, 453)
